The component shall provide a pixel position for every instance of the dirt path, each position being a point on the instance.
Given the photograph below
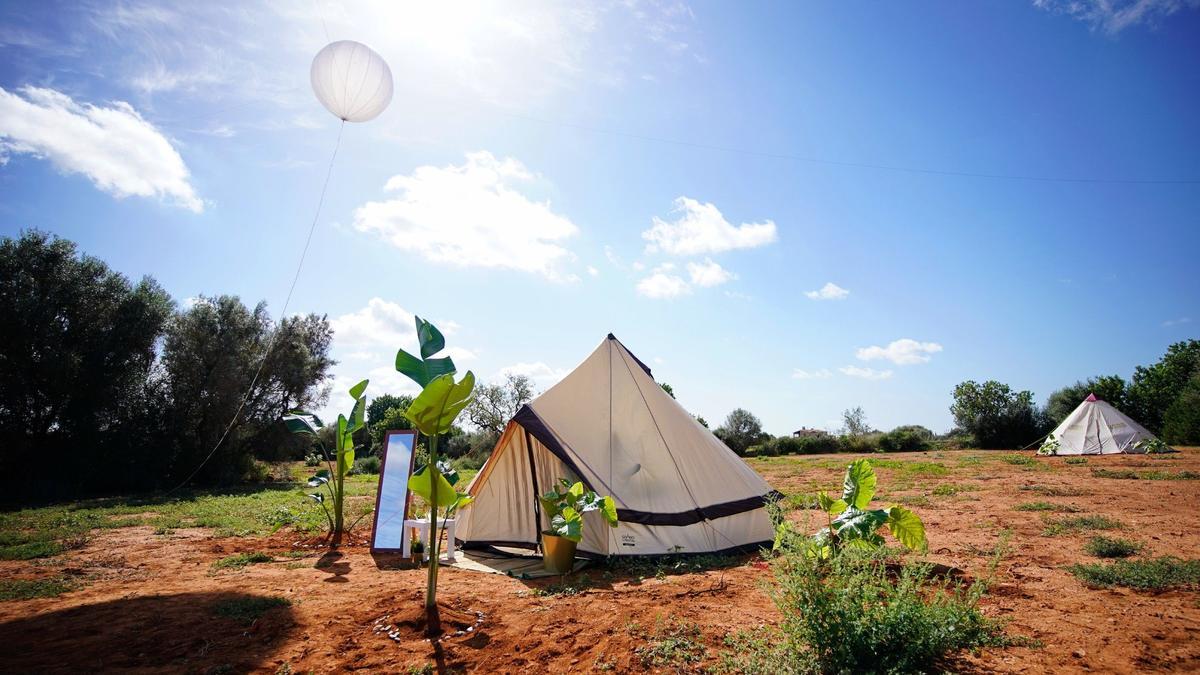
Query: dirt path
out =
(149, 601)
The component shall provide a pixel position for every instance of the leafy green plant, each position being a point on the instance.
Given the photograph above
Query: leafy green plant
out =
(1149, 574)
(1108, 547)
(856, 612)
(1152, 446)
(432, 413)
(850, 523)
(27, 589)
(1049, 447)
(1046, 506)
(1075, 460)
(566, 504)
(340, 463)
(241, 560)
(675, 644)
(312, 459)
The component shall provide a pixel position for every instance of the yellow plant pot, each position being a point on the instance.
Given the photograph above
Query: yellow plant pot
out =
(558, 553)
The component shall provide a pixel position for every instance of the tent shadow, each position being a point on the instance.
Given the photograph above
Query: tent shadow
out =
(332, 564)
(170, 633)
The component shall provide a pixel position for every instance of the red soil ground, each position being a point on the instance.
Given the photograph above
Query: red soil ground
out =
(149, 604)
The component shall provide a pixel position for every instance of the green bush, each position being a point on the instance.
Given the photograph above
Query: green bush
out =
(1107, 547)
(850, 614)
(369, 464)
(859, 444)
(910, 438)
(1151, 574)
(312, 459)
(786, 445)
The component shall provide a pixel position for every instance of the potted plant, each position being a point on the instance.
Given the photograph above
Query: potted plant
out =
(565, 506)
(417, 551)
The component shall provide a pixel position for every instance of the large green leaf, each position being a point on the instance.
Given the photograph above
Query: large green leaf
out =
(907, 527)
(419, 483)
(609, 511)
(340, 439)
(830, 505)
(568, 524)
(357, 390)
(357, 415)
(430, 338)
(859, 486)
(859, 524)
(423, 372)
(346, 458)
(433, 410)
(300, 422)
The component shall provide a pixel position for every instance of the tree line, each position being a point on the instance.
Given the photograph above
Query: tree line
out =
(108, 384)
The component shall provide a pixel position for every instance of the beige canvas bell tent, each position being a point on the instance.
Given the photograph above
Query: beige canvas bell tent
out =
(1097, 428)
(678, 489)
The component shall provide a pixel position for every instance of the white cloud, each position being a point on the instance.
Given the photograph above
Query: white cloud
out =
(115, 147)
(866, 373)
(830, 291)
(1175, 322)
(612, 256)
(800, 374)
(472, 215)
(663, 284)
(543, 375)
(592, 271)
(700, 228)
(735, 295)
(380, 323)
(1113, 16)
(709, 273)
(902, 352)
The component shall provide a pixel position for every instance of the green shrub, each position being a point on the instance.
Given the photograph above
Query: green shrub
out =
(312, 459)
(369, 465)
(910, 438)
(849, 614)
(1106, 547)
(1075, 460)
(859, 444)
(1150, 574)
(1019, 460)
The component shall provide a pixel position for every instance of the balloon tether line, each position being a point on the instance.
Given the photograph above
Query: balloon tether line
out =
(282, 315)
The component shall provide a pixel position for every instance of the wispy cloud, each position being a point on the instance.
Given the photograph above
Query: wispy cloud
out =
(830, 291)
(1113, 16)
(1176, 322)
(700, 228)
(902, 352)
(865, 373)
(543, 375)
(472, 215)
(114, 146)
(801, 374)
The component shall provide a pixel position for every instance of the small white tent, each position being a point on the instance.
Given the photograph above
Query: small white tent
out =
(677, 487)
(1097, 428)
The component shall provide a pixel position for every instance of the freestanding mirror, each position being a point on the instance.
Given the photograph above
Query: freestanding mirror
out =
(391, 501)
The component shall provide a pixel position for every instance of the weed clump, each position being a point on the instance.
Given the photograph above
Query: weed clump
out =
(1109, 547)
(1150, 574)
(241, 560)
(1046, 506)
(1080, 523)
(673, 644)
(248, 609)
(27, 589)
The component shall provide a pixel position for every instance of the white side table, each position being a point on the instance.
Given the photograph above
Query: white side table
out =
(422, 525)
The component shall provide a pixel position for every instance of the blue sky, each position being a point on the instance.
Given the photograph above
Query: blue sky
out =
(793, 208)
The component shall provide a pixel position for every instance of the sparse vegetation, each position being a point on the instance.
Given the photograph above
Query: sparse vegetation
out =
(1055, 490)
(27, 589)
(248, 609)
(1109, 547)
(1046, 506)
(1075, 460)
(1079, 524)
(1130, 474)
(1149, 574)
(240, 560)
(675, 643)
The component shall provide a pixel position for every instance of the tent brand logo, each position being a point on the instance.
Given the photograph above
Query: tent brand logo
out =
(628, 540)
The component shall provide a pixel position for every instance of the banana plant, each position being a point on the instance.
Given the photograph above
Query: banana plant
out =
(850, 523)
(432, 413)
(341, 460)
(565, 508)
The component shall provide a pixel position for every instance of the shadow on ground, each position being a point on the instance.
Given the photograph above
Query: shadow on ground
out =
(187, 632)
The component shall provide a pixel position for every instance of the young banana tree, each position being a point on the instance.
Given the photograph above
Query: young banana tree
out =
(432, 413)
(341, 461)
(850, 523)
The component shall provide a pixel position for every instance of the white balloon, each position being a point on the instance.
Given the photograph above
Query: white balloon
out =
(351, 81)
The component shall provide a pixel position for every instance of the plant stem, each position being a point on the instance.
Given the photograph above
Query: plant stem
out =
(434, 536)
